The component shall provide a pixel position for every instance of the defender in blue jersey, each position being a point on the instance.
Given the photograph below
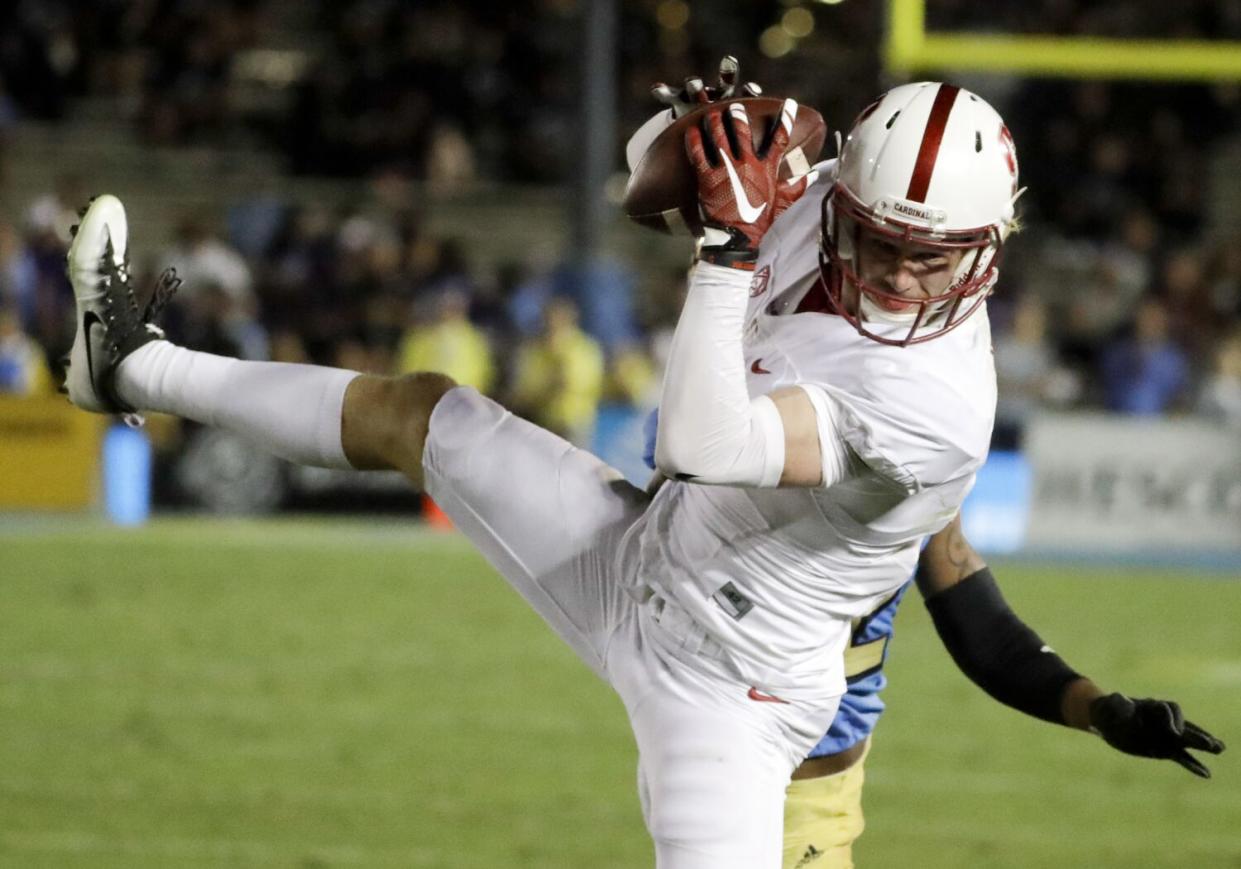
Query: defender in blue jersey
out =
(823, 806)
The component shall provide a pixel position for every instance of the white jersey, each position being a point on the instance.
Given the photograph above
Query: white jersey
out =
(774, 576)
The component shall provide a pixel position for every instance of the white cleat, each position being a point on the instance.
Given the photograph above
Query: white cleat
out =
(110, 324)
(97, 254)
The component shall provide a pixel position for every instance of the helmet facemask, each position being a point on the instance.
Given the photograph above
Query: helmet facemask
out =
(843, 219)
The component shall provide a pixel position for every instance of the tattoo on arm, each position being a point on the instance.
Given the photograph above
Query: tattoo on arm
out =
(947, 559)
(958, 552)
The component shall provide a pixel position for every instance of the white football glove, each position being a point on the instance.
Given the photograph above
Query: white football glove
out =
(694, 94)
(681, 102)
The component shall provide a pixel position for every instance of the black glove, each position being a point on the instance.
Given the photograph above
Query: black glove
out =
(694, 94)
(1152, 728)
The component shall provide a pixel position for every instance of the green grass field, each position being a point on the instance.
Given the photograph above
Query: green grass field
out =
(322, 693)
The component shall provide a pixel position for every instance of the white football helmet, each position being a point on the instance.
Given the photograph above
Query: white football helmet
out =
(931, 164)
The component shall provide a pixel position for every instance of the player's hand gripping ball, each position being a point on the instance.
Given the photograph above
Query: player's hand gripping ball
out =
(740, 190)
(663, 191)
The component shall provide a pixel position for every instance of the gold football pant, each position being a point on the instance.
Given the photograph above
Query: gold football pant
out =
(822, 818)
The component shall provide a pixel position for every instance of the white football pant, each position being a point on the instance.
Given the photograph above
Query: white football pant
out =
(561, 526)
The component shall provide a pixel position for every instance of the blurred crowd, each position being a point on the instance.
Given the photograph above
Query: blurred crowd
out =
(366, 288)
(1120, 293)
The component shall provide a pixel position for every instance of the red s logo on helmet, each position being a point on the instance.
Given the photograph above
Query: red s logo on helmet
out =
(1010, 153)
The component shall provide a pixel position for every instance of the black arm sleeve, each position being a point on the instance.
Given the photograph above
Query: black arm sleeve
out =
(997, 650)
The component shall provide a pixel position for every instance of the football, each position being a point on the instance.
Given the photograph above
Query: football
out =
(662, 192)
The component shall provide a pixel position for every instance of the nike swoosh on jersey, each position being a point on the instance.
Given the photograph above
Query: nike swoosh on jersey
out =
(748, 212)
(755, 694)
(757, 368)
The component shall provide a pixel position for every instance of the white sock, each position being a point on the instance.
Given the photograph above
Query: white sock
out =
(291, 410)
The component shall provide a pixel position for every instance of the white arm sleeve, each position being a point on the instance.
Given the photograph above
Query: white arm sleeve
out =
(710, 431)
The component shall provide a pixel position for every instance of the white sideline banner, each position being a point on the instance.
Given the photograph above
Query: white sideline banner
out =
(1110, 484)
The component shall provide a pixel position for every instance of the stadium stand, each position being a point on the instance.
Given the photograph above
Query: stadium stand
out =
(323, 171)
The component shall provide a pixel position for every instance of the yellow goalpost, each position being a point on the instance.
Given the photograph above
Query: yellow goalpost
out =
(910, 48)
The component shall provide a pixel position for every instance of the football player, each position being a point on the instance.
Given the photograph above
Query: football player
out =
(991, 645)
(809, 453)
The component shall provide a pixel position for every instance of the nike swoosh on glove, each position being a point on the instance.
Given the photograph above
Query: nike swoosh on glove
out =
(1152, 728)
(739, 189)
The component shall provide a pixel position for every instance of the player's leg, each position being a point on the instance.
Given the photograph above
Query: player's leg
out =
(712, 789)
(119, 364)
(713, 763)
(308, 414)
(325, 417)
(823, 818)
(384, 421)
(548, 516)
(293, 411)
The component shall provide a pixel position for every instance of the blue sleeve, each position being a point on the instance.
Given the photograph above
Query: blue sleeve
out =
(648, 431)
(862, 704)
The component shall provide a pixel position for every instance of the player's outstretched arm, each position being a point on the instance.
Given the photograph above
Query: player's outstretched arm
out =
(712, 431)
(1009, 661)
